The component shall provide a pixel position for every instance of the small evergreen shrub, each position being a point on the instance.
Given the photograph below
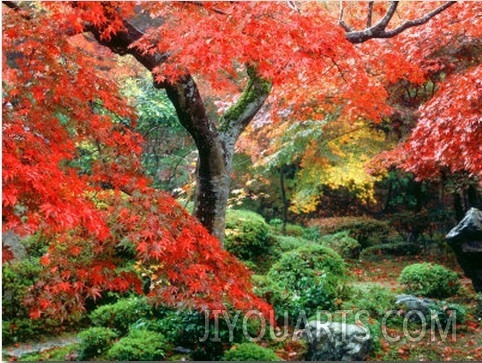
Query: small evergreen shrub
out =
(444, 312)
(139, 345)
(246, 235)
(342, 243)
(478, 307)
(294, 230)
(250, 352)
(374, 299)
(430, 280)
(17, 277)
(119, 315)
(187, 328)
(367, 231)
(305, 279)
(393, 249)
(94, 342)
(283, 244)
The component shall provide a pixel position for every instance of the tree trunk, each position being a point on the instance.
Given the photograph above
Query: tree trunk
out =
(212, 190)
(215, 144)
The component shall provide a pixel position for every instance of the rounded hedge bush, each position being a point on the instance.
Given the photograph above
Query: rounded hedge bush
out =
(342, 243)
(95, 342)
(250, 352)
(376, 300)
(430, 280)
(139, 345)
(306, 279)
(282, 244)
(246, 235)
(121, 314)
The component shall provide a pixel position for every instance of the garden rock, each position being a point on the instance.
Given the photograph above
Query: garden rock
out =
(466, 241)
(414, 305)
(13, 242)
(337, 341)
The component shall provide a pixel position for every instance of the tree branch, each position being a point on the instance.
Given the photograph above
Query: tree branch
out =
(379, 29)
(420, 21)
(341, 21)
(15, 6)
(370, 14)
(238, 116)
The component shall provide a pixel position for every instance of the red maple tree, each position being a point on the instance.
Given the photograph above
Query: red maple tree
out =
(56, 101)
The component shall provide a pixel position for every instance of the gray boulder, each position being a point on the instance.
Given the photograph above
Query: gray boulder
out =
(415, 306)
(337, 342)
(13, 242)
(466, 241)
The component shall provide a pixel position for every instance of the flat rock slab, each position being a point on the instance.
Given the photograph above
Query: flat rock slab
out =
(22, 349)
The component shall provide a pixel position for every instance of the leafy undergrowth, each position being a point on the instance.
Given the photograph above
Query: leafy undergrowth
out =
(428, 345)
(408, 343)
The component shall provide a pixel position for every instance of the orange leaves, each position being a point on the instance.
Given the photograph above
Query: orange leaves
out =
(449, 130)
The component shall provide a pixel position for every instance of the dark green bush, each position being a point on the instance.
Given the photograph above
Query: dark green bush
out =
(444, 311)
(17, 277)
(283, 244)
(478, 307)
(367, 231)
(250, 352)
(430, 280)
(246, 235)
(393, 249)
(343, 244)
(294, 230)
(119, 315)
(305, 279)
(139, 345)
(374, 299)
(94, 342)
(187, 328)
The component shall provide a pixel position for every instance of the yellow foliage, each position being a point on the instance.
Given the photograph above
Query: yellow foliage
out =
(341, 162)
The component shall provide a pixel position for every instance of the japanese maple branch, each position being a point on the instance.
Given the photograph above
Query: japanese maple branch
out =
(340, 19)
(15, 6)
(370, 14)
(183, 92)
(379, 29)
(238, 116)
(420, 21)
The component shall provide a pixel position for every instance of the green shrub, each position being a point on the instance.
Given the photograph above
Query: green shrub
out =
(187, 328)
(342, 243)
(430, 280)
(120, 315)
(139, 345)
(393, 249)
(478, 306)
(17, 277)
(294, 230)
(444, 311)
(94, 342)
(250, 352)
(367, 231)
(287, 243)
(246, 235)
(374, 299)
(305, 279)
